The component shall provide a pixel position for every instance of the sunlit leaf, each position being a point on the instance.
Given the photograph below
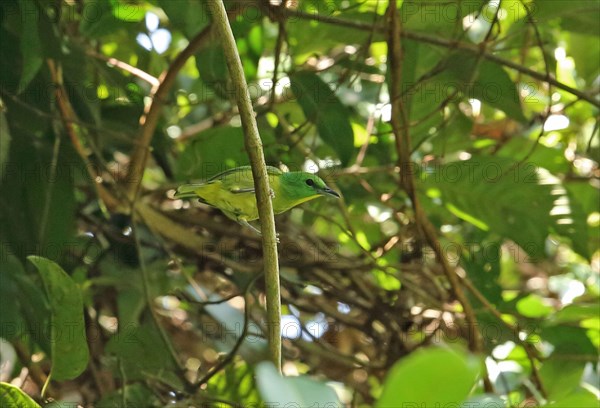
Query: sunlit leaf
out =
(11, 396)
(304, 391)
(409, 380)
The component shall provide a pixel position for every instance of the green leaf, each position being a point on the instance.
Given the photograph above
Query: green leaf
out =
(569, 340)
(67, 332)
(11, 319)
(141, 351)
(482, 264)
(23, 299)
(298, 391)
(490, 83)
(102, 19)
(533, 306)
(322, 107)
(521, 202)
(582, 399)
(212, 152)
(235, 383)
(306, 38)
(11, 396)
(411, 379)
(211, 65)
(573, 15)
(31, 47)
(574, 313)
(137, 395)
(187, 15)
(128, 11)
(561, 377)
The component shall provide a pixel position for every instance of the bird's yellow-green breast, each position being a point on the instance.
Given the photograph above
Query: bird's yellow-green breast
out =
(233, 191)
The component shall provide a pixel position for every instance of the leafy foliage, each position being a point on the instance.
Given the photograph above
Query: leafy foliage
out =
(129, 297)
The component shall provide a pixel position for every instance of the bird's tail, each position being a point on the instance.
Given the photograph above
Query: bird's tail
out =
(187, 191)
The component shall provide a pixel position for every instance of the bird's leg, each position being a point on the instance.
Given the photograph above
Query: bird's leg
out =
(247, 224)
(253, 228)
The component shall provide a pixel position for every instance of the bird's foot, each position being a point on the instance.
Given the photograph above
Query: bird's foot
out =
(256, 230)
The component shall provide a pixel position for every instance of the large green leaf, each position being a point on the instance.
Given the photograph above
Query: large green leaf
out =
(484, 80)
(517, 201)
(190, 16)
(107, 16)
(561, 377)
(31, 46)
(11, 396)
(300, 391)
(37, 199)
(430, 377)
(241, 374)
(211, 65)
(581, 399)
(308, 38)
(573, 15)
(10, 318)
(212, 152)
(23, 304)
(67, 330)
(322, 107)
(482, 264)
(569, 341)
(141, 351)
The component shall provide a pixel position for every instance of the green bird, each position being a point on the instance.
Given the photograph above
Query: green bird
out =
(232, 192)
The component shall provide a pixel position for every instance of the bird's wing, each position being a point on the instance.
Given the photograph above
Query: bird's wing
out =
(188, 190)
(274, 171)
(239, 180)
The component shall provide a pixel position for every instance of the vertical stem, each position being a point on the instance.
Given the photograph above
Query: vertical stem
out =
(400, 126)
(254, 148)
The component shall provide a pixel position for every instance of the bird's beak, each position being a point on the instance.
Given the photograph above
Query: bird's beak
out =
(328, 191)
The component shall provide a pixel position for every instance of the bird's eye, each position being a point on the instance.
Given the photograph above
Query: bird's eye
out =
(310, 182)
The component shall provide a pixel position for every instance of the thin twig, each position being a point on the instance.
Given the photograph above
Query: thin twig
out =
(126, 67)
(225, 361)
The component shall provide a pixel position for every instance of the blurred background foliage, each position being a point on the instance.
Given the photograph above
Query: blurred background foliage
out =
(127, 297)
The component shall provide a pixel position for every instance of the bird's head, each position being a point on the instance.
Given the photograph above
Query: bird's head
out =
(300, 184)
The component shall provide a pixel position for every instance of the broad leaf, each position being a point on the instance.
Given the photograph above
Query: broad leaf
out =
(31, 47)
(11, 396)
(67, 330)
(484, 80)
(561, 377)
(301, 391)
(518, 201)
(322, 107)
(187, 15)
(211, 152)
(430, 377)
